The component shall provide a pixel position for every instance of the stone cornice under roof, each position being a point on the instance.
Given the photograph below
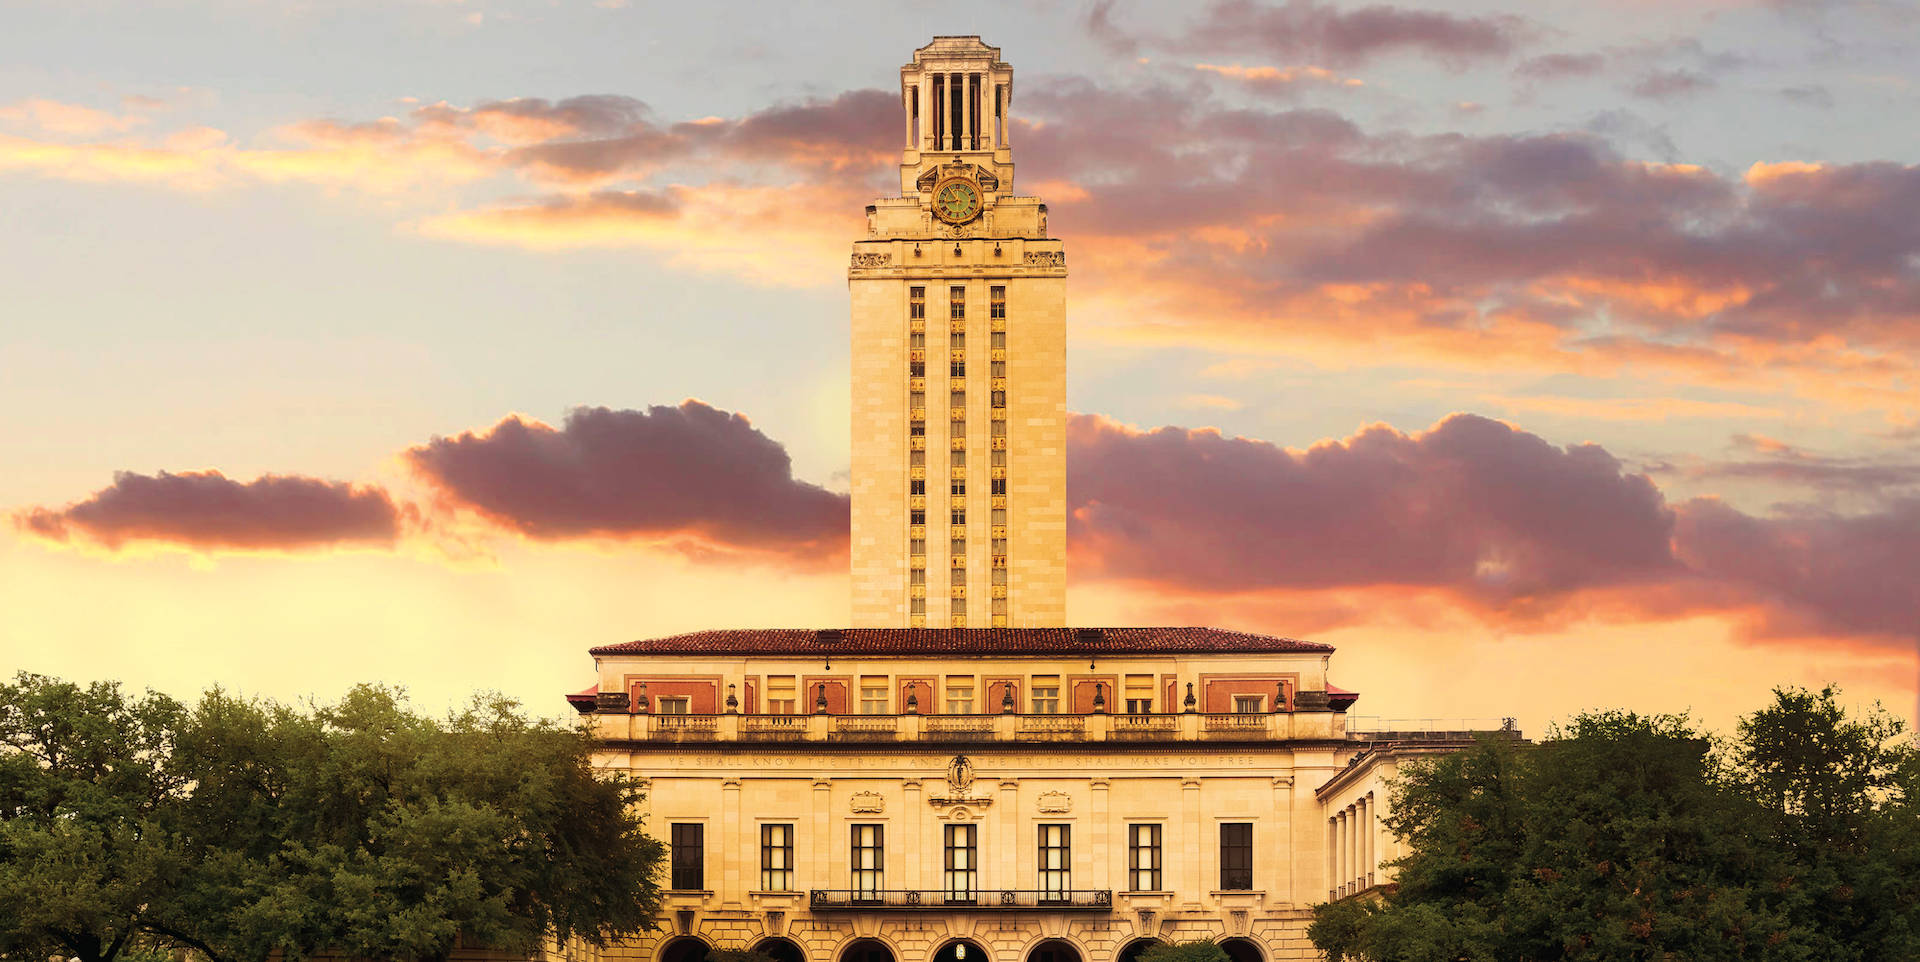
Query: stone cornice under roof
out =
(964, 641)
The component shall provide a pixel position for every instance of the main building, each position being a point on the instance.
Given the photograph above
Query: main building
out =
(959, 777)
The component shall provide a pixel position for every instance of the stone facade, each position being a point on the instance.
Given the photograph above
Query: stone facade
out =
(1003, 563)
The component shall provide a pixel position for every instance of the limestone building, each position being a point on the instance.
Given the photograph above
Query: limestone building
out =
(959, 369)
(959, 777)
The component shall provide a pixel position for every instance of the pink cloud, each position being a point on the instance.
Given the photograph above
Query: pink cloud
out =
(666, 473)
(207, 511)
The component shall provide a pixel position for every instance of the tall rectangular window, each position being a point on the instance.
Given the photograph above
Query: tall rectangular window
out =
(689, 855)
(1143, 858)
(776, 858)
(1046, 694)
(1139, 694)
(959, 695)
(957, 303)
(781, 696)
(1056, 860)
(873, 695)
(962, 862)
(996, 302)
(917, 303)
(869, 861)
(1236, 855)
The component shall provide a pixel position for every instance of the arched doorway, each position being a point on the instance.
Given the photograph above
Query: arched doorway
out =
(961, 950)
(686, 948)
(1054, 950)
(1131, 951)
(780, 950)
(1242, 950)
(867, 950)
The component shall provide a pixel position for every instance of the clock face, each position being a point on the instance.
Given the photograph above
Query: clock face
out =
(956, 201)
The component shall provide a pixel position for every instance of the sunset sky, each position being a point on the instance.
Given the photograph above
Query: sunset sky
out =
(1540, 357)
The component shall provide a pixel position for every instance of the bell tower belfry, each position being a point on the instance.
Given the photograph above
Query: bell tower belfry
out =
(959, 369)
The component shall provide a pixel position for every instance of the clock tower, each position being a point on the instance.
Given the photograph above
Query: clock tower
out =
(959, 369)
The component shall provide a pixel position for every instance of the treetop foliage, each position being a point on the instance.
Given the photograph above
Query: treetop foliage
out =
(242, 828)
(1631, 837)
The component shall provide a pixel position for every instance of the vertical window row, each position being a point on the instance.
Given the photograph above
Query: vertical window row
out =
(957, 431)
(997, 408)
(917, 457)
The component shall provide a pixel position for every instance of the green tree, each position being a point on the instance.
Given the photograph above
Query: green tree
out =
(245, 828)
(1610, 840)
(84, 792)
(1841, 798)
(1200, 950)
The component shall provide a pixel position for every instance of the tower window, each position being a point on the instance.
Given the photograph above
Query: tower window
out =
(916, 369)
(955, 369)
(997, 302)
(917, 486)
(917, 303)
(916, 517)
(959, 517)
(1000, 486)
(957, 303)
(959, 487)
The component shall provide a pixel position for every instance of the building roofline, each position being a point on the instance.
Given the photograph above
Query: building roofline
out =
(814, 642)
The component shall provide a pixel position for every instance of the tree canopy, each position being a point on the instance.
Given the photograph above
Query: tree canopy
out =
(242, 827)
(1632, 837)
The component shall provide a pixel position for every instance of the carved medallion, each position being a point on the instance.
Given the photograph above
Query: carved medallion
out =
(865, 803)
(959, 775)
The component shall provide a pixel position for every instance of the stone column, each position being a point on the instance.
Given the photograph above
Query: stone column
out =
(966, 113)
(730, 843)
(1103, 875)
(912, 821)
(926, 111)
(820, 875)
(1007, 840)
(1283, 830)
(1194, 841)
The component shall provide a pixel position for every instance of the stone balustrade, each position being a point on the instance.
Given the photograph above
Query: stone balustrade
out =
(1010, 727)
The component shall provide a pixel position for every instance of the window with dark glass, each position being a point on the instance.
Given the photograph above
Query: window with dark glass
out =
(917, 486)
(917, 517)
(776, 858)
(1055, 861)
(689, 856)
(917, 303)
(959, 517)
(957, 303)
(869, 859)
(957, 369)
(996, 302)
(1236, 855)
(999, 485)
(1143, 858)
(962, 862)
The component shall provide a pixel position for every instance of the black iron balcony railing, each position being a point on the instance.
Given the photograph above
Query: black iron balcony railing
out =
(938, 900)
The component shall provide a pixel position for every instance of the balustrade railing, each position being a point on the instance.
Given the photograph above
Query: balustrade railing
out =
(922, 900)
(864, 726)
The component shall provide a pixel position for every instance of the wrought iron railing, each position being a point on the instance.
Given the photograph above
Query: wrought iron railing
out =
(937, 900)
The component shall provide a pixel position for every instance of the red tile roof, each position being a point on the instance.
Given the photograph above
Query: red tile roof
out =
(963, 641)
